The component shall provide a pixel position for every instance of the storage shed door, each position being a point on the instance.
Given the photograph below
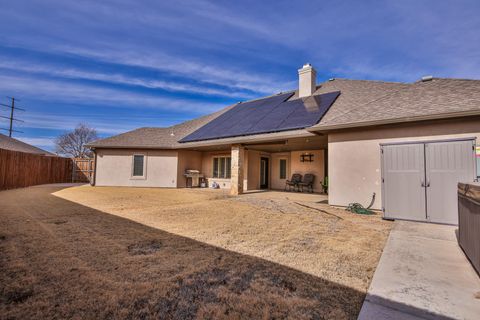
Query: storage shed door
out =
(420, 180)
(403, 181)
(447, 163)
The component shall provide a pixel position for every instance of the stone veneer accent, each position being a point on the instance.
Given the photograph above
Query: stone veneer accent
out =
(238, 152)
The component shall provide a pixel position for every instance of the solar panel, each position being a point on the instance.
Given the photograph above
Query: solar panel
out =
(314, 108)
(266, 115)
(227, 124)
(255, 114)
(274, 120)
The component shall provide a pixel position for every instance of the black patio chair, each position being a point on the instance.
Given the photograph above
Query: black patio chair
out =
(294, 181)
(307, 181)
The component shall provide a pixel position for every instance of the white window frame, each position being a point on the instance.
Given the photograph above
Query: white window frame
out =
(144, 176)
(218, 171)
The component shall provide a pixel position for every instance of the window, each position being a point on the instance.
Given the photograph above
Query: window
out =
(283, 168)
(138, 164)
(222, 167)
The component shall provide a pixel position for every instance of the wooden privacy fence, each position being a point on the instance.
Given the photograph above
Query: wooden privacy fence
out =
(20, 170)
(83, 170)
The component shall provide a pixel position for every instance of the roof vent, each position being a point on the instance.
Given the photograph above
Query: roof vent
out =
(426, 78)
(307, 81)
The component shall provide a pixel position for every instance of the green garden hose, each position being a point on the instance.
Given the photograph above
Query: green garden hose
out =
(359, 209)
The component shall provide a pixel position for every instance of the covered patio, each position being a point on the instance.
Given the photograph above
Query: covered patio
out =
(261, 165)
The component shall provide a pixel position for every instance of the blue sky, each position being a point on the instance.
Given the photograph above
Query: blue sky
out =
(119, 65)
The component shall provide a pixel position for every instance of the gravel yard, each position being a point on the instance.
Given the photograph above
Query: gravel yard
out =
(100, 252)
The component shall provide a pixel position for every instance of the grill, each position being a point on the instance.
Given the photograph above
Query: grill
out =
(194, 178)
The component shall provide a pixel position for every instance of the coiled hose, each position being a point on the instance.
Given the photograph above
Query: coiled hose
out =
(359, 209)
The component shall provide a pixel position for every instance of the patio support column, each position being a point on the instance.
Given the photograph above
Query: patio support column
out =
(238, 152)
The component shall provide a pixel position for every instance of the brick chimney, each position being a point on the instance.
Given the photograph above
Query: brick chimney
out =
(307, 81)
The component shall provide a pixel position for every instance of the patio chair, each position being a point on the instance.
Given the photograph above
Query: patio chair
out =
(294, 181)
(307, 181)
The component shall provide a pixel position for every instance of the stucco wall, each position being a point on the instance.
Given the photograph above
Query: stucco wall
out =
(187, 160)
(251, 169)
(207, 168)
(114, 168)
(276, 182)
(317, 167)
(354, 156)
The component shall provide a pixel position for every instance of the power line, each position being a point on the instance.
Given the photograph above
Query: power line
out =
(11, 118)
(12, 130)
(9, 106)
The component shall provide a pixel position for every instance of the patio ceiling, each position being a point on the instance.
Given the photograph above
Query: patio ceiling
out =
(277, 145)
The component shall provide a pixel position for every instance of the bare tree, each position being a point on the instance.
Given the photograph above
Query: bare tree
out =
(73, 143)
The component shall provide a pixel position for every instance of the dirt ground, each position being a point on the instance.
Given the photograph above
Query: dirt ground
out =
(85, 252)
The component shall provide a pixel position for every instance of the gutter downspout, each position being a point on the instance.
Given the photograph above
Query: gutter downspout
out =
(94, 180)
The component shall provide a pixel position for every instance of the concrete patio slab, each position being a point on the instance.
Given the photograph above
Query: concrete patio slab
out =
(423, 274)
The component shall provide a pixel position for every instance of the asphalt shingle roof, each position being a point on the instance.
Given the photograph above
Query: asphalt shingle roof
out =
(149, 137)
(435, 97)
(17, 145)
(360, 101)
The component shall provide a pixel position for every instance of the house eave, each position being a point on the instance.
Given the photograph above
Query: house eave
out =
(248, 139)
(325, 128)
(134, 147)
(275, 136)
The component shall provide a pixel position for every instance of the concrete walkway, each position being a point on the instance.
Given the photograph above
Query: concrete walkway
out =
(423, 274)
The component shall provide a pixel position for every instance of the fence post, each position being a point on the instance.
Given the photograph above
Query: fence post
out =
(73, 170)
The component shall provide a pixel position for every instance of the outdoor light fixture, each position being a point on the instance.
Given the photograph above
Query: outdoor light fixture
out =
(306, 157)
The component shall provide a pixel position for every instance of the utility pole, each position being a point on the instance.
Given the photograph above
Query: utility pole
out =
(11, 118)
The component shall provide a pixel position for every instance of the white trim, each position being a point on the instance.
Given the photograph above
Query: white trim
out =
(280, 168)
(427, 141)
(440, 116)
(144, 176)
(226, 156)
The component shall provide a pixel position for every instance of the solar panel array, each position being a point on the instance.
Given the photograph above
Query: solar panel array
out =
(272, 114)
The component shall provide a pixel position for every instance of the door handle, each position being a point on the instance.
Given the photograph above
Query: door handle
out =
(423, 184)
(428, 183)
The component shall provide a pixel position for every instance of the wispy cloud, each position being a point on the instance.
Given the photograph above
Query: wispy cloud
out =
(159, 62)
(212, 73)
(101, 122)
(117, 78)
(69, 92)
(55, 124)
(46, 142)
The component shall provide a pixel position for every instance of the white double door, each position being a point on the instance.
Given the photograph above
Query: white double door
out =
(420, 179)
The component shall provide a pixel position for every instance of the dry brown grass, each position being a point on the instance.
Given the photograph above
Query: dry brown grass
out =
(179, 254)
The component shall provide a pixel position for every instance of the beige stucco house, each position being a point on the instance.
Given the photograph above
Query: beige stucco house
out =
(409, 143)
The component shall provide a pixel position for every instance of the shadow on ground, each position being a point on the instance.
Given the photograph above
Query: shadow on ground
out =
(60, 259)
(377, 307)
